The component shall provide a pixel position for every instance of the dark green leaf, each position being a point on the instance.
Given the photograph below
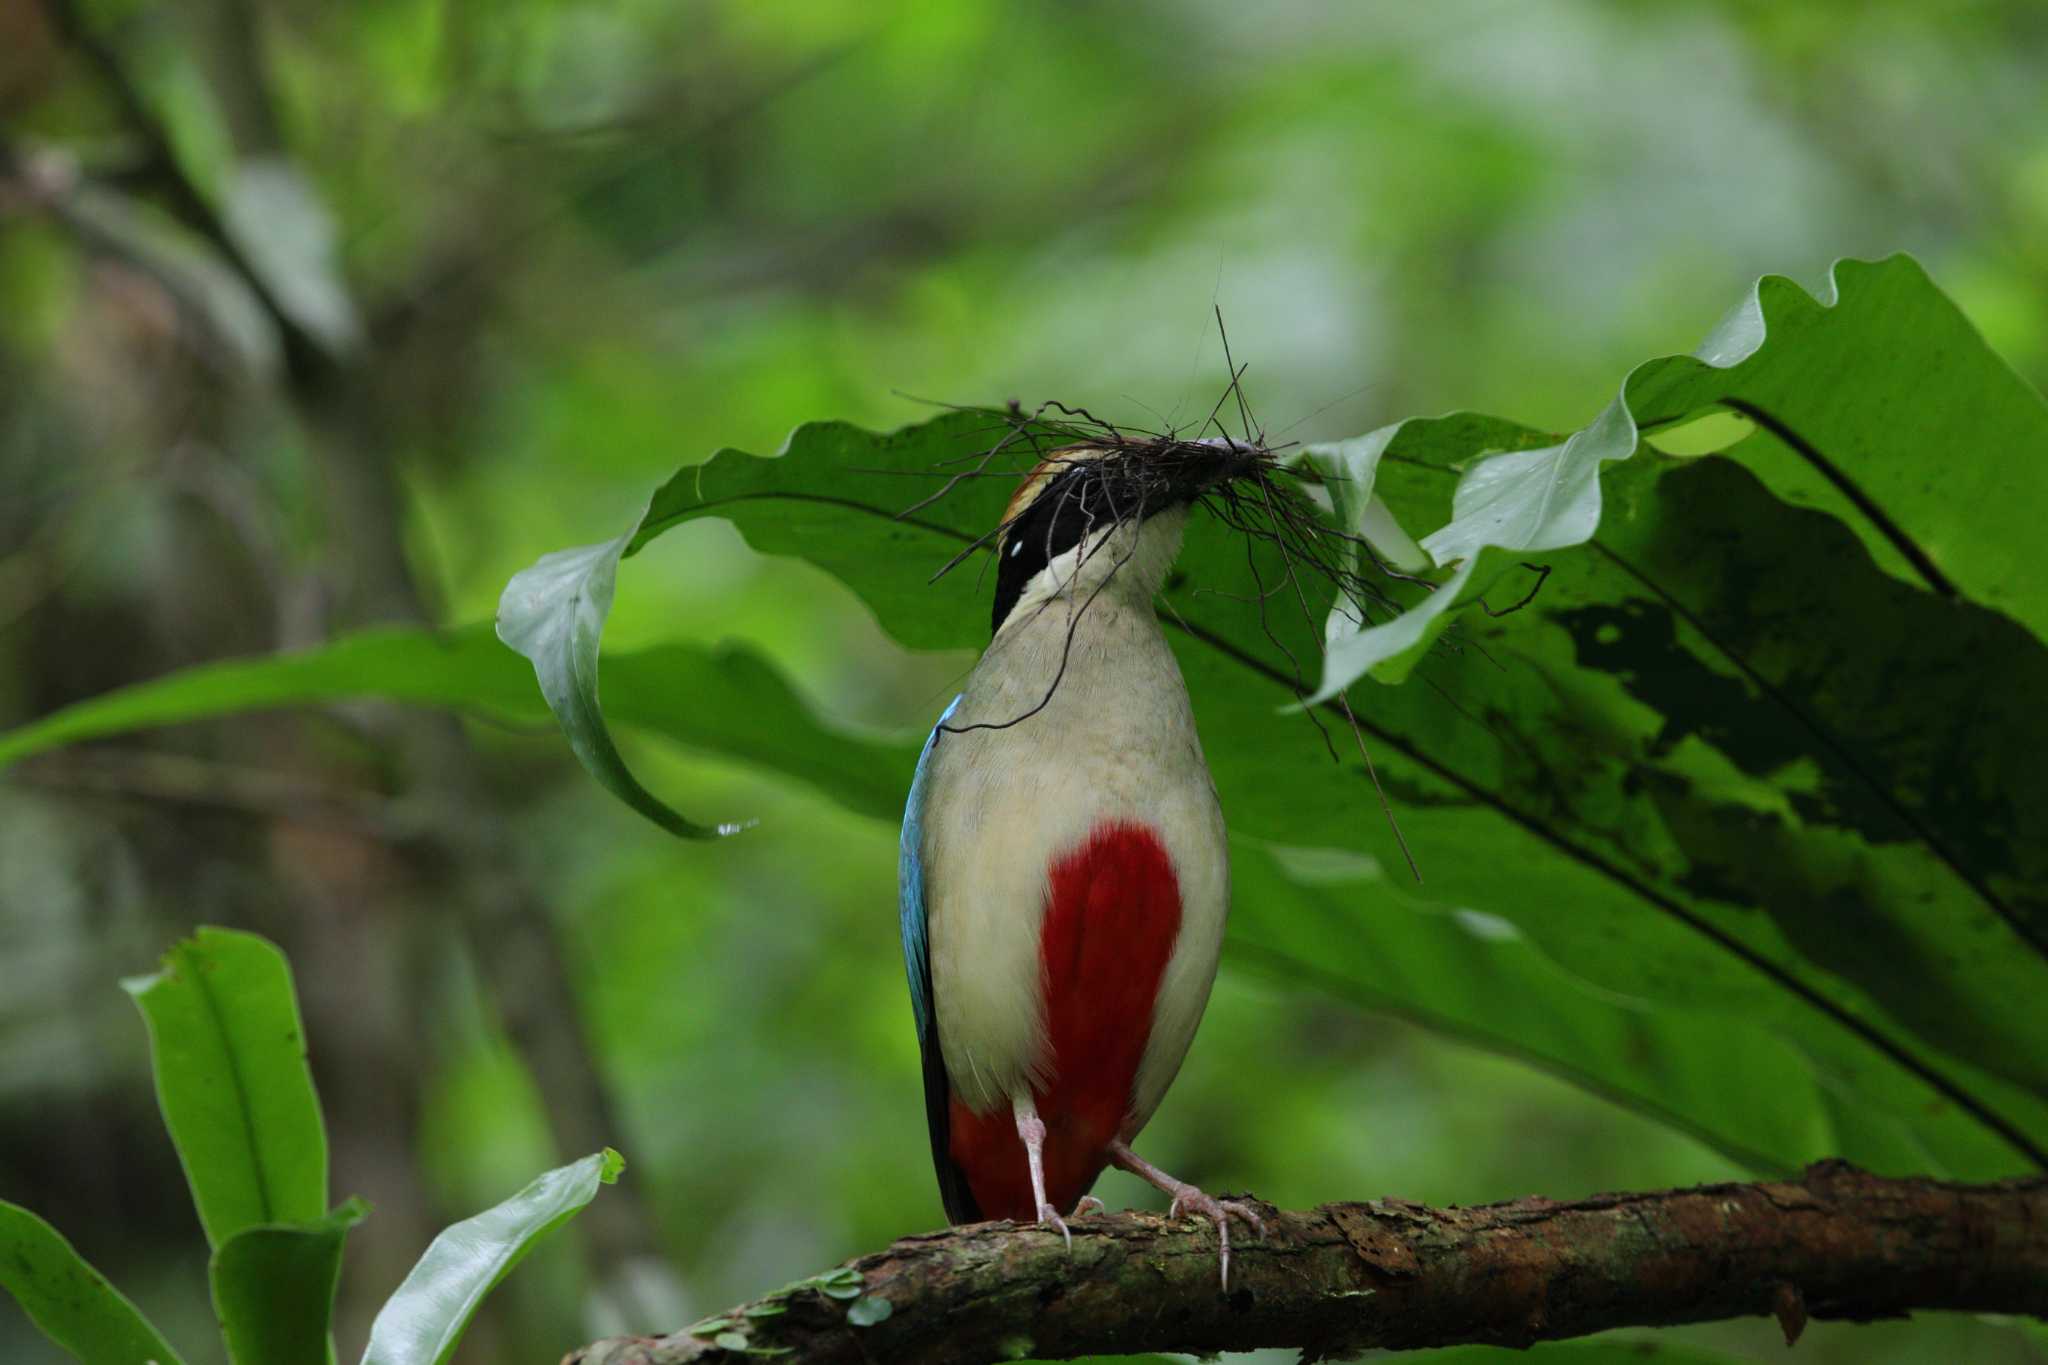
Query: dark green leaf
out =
(422, 1323)
(273, 1288)
(1814, 751)
(68, 1300)
(1748, 715)
(231, 1076)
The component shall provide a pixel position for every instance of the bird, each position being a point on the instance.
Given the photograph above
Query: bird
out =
(1064, 866)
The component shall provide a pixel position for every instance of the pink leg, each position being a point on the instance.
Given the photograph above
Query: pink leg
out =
(1186, 1196)
(1031, 1130)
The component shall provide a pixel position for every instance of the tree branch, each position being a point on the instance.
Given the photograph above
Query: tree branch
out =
(1336, 1280)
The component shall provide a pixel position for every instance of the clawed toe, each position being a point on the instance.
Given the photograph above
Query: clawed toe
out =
(1246, 1212)
(1048, 1215)
(1185, 1197)
(1088, 1203)
(1218, 1211)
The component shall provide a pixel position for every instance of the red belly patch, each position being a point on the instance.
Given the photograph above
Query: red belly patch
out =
(1112, 916)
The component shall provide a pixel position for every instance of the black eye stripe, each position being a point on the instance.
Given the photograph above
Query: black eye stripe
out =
(1053, 524)
(1091, 492)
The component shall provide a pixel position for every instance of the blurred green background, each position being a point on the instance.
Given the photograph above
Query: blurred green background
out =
(536, 255)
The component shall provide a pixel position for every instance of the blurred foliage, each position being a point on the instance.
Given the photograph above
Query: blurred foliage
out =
(318, 317)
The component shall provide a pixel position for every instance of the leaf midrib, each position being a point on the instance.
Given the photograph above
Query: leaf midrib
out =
(241, 1092)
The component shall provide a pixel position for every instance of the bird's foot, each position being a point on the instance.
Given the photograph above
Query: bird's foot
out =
(1188, 1198)
(1086, 1204)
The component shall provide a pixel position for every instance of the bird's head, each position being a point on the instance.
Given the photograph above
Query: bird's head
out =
(1098, 519)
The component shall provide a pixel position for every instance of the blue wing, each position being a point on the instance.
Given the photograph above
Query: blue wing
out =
(917, 965)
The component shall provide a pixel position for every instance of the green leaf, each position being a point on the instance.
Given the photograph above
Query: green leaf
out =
(1748, 715)
(1533, 785)
(1853, 391)
(868, 1310)
(1814, 751)
(273, 1288)
(1475, 976)
(230, 1060)
(1520, 778)
(740, 707)
(422, 1323)
(70, 1302)
(1881, 404)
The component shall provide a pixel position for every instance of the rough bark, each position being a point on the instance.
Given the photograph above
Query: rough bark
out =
(1336, 1280)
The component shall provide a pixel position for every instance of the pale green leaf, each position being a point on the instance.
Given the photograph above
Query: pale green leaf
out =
(422, 1323)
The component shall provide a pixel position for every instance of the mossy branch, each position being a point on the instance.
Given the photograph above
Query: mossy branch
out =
(1336, 1280)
